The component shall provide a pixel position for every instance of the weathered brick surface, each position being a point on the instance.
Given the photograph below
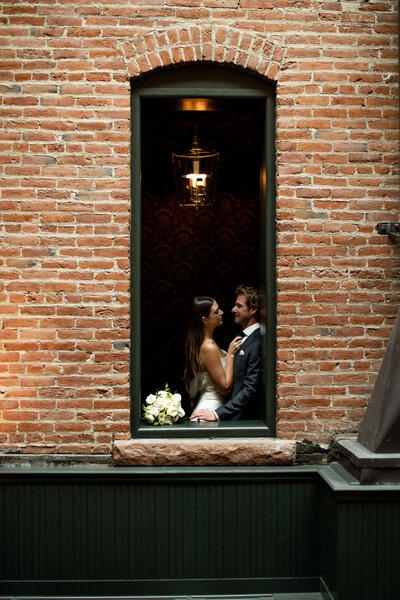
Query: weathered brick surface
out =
(64, 148)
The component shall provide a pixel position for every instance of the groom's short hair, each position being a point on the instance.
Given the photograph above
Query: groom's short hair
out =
(252, 295)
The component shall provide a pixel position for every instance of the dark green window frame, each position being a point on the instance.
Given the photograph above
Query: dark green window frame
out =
(207, 81)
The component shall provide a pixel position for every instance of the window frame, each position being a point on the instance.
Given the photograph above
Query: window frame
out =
(207, 81)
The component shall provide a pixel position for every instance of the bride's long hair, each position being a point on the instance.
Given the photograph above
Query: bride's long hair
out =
(201, 307)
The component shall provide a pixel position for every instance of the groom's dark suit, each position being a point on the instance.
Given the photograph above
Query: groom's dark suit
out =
(244, 399)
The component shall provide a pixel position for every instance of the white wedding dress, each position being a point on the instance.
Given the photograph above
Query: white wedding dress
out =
(203, 386)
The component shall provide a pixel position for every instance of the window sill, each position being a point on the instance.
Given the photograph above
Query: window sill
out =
(193, 429)
(204, 452)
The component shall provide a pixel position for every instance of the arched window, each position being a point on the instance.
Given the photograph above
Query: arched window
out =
(179, 252)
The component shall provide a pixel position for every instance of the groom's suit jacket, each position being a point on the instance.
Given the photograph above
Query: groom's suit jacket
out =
(244, 401)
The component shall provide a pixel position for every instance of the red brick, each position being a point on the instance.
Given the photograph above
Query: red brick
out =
(337, 155)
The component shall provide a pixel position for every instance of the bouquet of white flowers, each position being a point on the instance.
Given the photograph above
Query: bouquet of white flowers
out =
(163, 408)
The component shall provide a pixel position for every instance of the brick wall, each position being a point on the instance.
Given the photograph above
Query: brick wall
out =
(64, 147)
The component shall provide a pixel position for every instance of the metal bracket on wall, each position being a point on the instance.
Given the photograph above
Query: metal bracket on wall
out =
(390, 228)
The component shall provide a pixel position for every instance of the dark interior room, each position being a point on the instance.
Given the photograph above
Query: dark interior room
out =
(188, 251)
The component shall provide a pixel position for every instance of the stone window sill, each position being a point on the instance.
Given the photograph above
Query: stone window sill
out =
(204, 452)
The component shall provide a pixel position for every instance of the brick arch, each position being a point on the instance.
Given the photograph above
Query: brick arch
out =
(215, 43)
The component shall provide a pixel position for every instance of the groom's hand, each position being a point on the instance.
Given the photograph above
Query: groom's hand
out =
(203, 414)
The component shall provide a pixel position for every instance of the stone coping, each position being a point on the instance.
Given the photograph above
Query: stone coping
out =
(367, 466)
(363, 457)
(27, 460)
(204, 452)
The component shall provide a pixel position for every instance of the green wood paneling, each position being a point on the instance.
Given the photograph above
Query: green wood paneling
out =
(197, 530)
(328, 539)
(159, 531)
(360, 539)
(369, 535)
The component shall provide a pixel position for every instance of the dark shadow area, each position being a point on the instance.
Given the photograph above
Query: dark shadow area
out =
(185, 252)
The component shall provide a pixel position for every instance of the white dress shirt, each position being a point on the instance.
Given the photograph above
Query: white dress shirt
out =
(249, 330)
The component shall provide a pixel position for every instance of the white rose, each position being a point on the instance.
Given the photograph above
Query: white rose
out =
(177, 398)
(181, 412)
(153, 410)
(149, 418)
(150, 399)
(165, 419)
(159, 403)
(172, 411)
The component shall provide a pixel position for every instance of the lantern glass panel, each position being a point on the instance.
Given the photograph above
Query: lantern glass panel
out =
(196, 177)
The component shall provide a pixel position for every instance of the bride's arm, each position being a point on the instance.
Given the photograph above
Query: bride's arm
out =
(211, 361)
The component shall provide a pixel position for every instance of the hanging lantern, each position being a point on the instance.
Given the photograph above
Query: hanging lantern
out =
(196, 176)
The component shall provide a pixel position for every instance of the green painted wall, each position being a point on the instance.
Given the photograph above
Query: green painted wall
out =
(186, 531)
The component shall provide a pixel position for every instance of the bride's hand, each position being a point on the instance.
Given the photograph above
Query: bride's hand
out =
(235, 345)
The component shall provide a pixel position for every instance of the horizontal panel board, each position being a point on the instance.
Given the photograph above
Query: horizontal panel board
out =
(146, 590)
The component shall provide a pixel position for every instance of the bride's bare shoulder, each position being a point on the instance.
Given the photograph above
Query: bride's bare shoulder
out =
(209, 347)
(208, 342)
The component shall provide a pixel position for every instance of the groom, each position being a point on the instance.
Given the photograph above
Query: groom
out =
(243, 402)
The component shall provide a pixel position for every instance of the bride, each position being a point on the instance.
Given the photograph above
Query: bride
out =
(209, 370)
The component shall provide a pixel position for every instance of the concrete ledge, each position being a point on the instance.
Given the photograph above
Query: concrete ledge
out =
(54, 460)
(204, 452)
